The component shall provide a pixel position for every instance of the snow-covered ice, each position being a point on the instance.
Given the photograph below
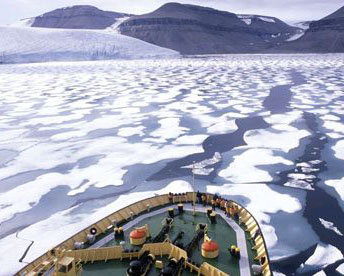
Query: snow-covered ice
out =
(200, 168)
(85, 137)
(245, 167)
(340, 269)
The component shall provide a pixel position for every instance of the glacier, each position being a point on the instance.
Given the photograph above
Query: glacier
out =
(24, 45)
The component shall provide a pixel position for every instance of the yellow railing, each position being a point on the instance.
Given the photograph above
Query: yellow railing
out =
(209, 270)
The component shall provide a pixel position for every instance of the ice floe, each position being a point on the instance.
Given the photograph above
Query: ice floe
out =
(246, 167)
(340, 269)
(320, 273)
(130, 131)
(190, 139)
(339, 149)
(169, 128)
(200, 168)
(330, 225)
(323, 256)
(285, 140)
(300, 184)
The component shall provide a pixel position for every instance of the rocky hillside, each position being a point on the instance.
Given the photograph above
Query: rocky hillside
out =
(193, 29)
(77, 17)
(271, 29)
(323, 36)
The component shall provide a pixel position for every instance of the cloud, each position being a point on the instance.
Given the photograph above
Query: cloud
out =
(288, 10)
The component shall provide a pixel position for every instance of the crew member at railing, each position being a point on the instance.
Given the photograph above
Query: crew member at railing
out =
(204, 199)
(213, 204)
(170, 197)
(199, 197)
(222, 204)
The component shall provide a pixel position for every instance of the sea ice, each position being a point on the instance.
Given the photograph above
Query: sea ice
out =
(92, 127)
(246, 167)
(323, 256)
(330, 225)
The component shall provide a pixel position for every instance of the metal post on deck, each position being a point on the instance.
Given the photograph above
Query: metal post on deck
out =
(194, 190)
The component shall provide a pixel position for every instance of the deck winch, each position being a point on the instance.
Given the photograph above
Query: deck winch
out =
(142, 265)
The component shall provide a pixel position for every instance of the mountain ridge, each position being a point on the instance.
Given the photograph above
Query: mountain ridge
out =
(192, 29)
(77, 17)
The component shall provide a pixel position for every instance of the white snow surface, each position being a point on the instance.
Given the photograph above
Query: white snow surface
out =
(340, 269)
(23, 45)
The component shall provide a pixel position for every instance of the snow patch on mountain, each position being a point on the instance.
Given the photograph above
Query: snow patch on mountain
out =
(246, 19)
(267, 19)
(303, 25)
(296, 36)
(115, 27)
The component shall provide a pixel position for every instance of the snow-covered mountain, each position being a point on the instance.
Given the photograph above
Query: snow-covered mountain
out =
(77, 17)
(19, 45)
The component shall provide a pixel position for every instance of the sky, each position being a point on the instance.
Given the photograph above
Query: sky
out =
(290, 11)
